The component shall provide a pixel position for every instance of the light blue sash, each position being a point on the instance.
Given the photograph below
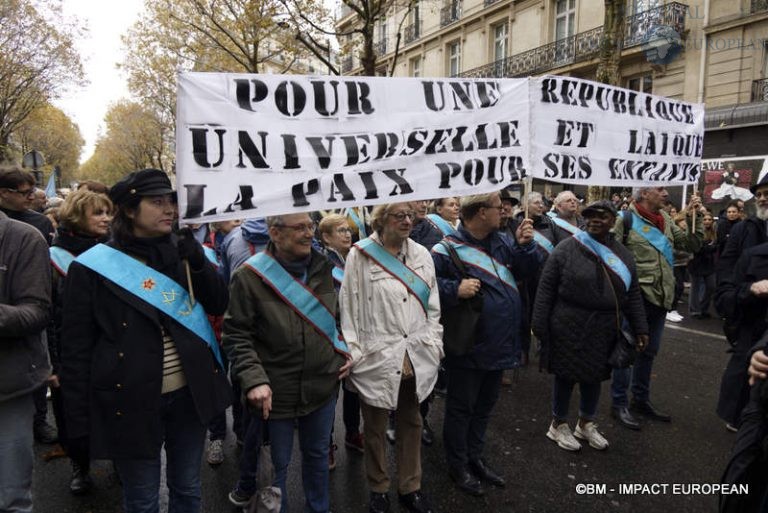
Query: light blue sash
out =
(479, 259)
(338, 273)
(61, 258)
(358, 222)
(441, 224)
(543, 242)
(609, 258)
(562, 223)
(653, 235)
(297, 296)
(404, 274)
(152, 287)
(210, 254)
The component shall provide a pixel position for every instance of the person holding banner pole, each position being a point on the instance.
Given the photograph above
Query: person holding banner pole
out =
(651, 235)
(588, 285)
(286, 352)
(140, 365)
(390, 311)
(492, 264)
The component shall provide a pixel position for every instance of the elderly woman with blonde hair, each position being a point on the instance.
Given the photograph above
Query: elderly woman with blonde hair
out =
(390, 311)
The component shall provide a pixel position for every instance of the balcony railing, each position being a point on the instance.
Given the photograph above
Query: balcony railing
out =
(450, 13)
(760, 90)
(489, 2)
(347, 64)
(380, 46)
(412, 32)
(758, 6)
(584, 45)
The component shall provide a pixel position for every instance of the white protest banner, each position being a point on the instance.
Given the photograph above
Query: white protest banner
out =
(258, 145)
(593, 134)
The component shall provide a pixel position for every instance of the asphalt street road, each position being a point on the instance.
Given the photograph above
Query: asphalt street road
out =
(692, 449)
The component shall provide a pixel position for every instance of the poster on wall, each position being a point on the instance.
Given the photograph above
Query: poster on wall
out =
(728, 179)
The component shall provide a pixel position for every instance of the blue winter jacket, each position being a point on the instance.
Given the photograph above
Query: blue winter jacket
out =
(241, 243)
(497, 336)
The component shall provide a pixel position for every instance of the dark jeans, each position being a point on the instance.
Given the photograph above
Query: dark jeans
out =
(184, 437)
(681, 272)
(472, 394)
(253, 438)
(217, 428)
(640, 374)
(702, 291)
(561, 399)
(41, 405)
(314, 431)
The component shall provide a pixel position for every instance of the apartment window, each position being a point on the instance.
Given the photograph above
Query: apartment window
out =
(637, 6)
(643, 84)
(415, 15)
(500, 41)
(765, 59)
(454, 59)
(416, 67)
(565, 18)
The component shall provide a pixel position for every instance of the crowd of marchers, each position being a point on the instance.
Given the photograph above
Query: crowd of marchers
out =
(146, 333)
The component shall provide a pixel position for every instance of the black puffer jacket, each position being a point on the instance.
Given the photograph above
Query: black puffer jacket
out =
(574, 315)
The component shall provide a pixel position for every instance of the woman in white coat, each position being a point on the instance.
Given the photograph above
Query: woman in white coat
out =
(390, 311)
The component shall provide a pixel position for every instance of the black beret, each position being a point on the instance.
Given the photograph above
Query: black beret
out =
(147, 182)
(599, 206)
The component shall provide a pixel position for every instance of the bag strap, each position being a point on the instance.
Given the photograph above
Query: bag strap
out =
(627, 219)
(455, 258)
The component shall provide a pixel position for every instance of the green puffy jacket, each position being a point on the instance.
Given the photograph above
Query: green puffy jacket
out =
(268, 343)
(654, 274)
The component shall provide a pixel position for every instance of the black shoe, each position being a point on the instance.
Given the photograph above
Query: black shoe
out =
(416, 502)
(379, 503)
(427, 435)
(485, 473)
(81, 483)
(466, 482)
(45, 433)
(625, 418)
(650, 411)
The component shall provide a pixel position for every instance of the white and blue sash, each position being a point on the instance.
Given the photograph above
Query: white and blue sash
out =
(210, 254)
(154, 288)
(298, 297)
(654, 236)
(61, 259)
(543, 242)
(414, 283)
(607, 256)
(358, 222)
(562, 223)
(479, 259)
(441, 224)
(338, 274)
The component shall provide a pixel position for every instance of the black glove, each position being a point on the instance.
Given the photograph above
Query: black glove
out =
(190, 250)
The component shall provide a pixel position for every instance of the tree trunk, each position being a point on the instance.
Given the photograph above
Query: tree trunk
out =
(609, 67)
(368, 56)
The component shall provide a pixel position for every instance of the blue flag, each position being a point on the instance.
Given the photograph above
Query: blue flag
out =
(50, 189)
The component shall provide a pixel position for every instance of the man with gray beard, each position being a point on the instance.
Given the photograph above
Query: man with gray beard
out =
(737, 299)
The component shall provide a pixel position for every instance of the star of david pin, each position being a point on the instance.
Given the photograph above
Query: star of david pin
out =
(169, 297)
(148, 284)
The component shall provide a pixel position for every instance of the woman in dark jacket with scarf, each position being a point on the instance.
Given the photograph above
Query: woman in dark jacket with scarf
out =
(140, 365)
(702, 271)
(84, 222)
(587, 282)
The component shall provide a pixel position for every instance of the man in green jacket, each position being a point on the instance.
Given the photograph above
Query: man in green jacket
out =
(287, 360)
(651, 236)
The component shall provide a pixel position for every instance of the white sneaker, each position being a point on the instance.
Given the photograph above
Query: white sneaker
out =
(673, 316)
(590, 433)
(563, 436)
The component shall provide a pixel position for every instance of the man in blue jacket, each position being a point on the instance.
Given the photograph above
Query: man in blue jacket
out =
(492, 263)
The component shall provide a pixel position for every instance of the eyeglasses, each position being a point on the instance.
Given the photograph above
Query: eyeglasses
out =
(343, 230)
(300, 227)
(27, 193)
(759, 195)
(400, 216)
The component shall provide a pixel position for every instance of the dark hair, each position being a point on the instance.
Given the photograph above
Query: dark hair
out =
(13, 176)
(122, 225)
